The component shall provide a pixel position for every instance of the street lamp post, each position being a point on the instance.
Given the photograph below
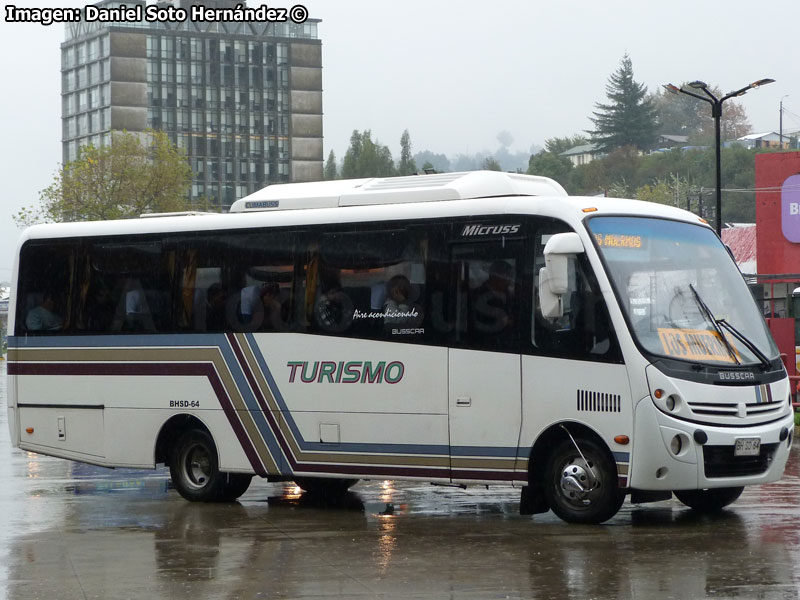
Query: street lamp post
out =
(780, 122)
(716, 113)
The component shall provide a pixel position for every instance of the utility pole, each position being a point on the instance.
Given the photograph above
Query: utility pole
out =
(781, 122)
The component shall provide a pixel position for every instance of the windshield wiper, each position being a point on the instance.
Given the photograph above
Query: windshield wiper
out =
(710, 316)
(750, 345)
(765, 362)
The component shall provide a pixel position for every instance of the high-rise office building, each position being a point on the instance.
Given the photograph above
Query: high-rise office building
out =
(243, 99)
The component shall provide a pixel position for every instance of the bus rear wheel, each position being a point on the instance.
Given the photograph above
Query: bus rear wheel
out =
(709, 501)
(582, 487)
(194, 468)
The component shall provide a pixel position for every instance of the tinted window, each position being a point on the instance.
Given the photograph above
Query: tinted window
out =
(486, 285)
(584, 332)
(45, 296)
(238, 281)
(367, 283)
(126, 287)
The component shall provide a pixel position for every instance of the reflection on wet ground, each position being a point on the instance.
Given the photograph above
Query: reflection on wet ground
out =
(75, 531)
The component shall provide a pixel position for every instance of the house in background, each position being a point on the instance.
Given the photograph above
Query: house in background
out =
(770, 139)
(582, 155)
(665, 141)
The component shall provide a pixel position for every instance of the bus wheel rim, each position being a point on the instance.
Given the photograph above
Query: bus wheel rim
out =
(197, 466)
(578, 482)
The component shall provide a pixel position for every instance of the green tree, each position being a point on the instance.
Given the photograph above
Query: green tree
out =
(663, 191)
(330, 172)
(668, 177)
(440, 162)
(619, 170)
(558, 145)
(679, 114)
(365, 158)
(490, 164)
(135, 174)
(407, 164)
(629, 119)
(548, 164)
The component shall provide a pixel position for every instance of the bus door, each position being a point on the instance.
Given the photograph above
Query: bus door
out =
(484, 379)
(572, 367)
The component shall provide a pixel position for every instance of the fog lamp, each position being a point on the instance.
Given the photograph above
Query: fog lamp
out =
(676, 445)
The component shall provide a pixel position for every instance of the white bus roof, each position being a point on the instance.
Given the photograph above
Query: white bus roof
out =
(365, 200)
(397, 190)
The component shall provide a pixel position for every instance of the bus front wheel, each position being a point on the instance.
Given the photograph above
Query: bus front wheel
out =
(581, 486)
(194, 468)
(708, 501)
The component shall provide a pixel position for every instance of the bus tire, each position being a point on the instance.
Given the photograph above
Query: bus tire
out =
(581, 491)
(325, 487)
(194, 468)
(710, 500)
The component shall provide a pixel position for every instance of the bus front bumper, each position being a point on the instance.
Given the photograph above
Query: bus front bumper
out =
(685, 456)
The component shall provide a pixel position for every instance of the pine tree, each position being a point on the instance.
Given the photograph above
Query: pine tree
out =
(330, 171)
(630, 118)
(407, 165)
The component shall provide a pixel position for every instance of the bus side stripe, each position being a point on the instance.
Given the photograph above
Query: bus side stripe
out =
(248, 393)
(153, 369)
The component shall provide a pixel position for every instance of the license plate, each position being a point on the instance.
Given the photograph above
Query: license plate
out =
(747, 447)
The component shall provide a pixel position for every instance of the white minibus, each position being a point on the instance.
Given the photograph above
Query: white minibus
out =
(457, 328)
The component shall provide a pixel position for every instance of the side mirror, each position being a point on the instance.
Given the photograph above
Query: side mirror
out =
(554, 276)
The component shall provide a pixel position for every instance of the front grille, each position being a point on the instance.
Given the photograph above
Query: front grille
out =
(753, 409)
(719, 461)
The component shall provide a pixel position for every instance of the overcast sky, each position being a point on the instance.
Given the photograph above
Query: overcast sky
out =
(454, 74)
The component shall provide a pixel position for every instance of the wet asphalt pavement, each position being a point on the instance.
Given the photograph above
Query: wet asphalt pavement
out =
(74, 531)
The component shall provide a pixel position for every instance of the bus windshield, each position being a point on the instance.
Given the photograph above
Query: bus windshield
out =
(682, 293)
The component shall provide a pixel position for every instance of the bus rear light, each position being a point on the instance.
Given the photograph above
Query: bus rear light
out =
(622, 439)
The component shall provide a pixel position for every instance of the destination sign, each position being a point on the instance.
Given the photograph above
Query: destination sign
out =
(618, 240)
(695, 344)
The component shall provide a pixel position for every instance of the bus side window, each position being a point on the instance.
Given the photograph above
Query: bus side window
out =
(486, 294)
(261, 294)
(126, 287)
(237, 281)
(46, 289)
(584, 332)
(368, 284)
